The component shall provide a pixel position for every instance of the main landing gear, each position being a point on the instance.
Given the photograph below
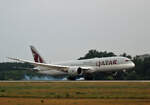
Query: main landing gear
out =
(71, 78)
(88, 77)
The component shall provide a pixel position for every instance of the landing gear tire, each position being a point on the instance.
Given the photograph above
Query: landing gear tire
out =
(119, 75)
(88, 77)
(71, 78)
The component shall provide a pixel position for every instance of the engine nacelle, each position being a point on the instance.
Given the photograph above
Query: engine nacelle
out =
(75, 71)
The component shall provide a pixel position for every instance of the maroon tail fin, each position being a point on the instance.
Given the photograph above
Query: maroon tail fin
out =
(36, 55)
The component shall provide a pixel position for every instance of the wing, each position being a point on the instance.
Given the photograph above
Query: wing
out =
(48, 66)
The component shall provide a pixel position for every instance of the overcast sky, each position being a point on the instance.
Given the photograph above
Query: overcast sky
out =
(67, 29)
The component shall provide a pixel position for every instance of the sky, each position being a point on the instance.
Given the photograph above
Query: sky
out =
(68, 29)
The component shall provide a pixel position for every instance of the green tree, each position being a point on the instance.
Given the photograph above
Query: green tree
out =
(126, 55)
(94, 53)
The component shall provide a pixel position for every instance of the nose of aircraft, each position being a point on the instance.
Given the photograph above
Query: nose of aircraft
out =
(132, 65)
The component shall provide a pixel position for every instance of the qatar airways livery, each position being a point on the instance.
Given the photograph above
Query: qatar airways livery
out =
(78, 68)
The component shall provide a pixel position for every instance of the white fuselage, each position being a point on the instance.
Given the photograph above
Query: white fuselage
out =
(107, 64)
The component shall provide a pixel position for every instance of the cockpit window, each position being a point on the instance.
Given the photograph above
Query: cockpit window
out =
(127, 60)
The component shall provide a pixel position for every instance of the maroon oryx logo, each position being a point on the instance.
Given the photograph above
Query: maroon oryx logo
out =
(36, 56)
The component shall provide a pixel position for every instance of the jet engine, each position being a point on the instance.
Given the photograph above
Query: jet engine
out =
(75, 71)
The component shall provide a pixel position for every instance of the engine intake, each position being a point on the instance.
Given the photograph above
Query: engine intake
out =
(75, 71)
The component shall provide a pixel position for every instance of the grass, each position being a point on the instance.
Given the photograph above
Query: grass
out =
(77, 90)
(75, 93)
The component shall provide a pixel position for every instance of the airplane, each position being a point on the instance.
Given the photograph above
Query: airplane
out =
(78, 68)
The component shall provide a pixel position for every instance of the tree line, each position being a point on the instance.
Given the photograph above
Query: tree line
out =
(15, 71)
